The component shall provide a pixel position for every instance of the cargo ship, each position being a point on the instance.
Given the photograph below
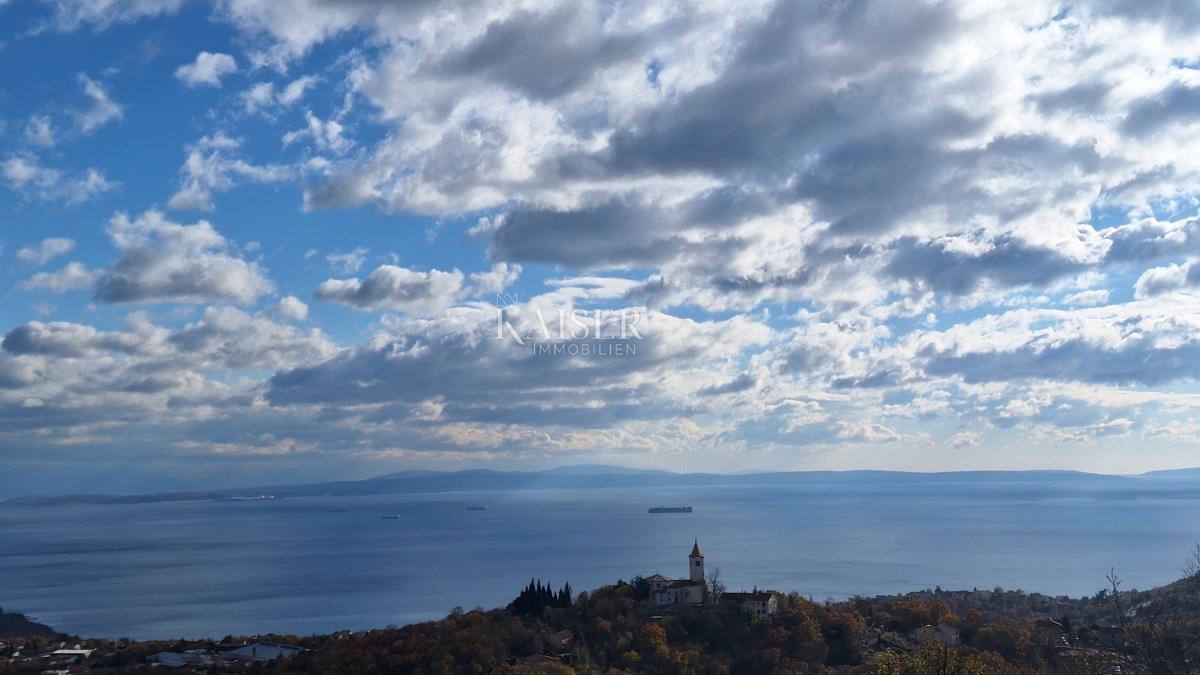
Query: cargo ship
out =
(477, 508)
(671, 509)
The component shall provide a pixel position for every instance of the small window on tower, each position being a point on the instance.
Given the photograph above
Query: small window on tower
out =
(697, 563)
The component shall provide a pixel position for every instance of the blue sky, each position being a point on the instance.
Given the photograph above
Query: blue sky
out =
(247, 242)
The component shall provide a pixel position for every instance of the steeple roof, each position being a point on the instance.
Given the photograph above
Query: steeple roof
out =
(696, 551)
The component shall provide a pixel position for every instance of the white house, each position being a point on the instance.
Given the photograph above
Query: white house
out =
(942, 633)
(759, 603)
(688, 591)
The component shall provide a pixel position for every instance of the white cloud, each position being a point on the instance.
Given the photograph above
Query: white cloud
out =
(73, 277)
(103, 109)
(295, 90)
(396, 288)
(261, 97)
(212, 165)
(348, 263)
(40, 131)
(1159, 280)
(163, 261)
(258, 96)
(964, 439)
(49, 249)
(1087, 298)
(290, 307)
(207, 70)
(501, 276)
(26, 175)
(326, 135)
(73, 14)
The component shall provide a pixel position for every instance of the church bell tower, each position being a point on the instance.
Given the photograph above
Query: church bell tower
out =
(696, 564)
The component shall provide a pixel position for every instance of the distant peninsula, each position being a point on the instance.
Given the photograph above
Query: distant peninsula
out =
(583, 477)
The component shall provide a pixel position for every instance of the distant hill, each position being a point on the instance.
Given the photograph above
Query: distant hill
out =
(15, 625)
(1175, 473)
(585, 476)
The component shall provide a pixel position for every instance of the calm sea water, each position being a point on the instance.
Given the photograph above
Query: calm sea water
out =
(206, 569)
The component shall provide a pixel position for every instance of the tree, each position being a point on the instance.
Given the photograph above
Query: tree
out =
(934, 658)
(715, 588)
(1163, 629)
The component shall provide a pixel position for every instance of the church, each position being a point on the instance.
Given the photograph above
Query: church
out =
(688, 591)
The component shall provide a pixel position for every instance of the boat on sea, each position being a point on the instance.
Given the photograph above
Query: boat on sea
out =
(391, 517)
(671, 509)
(477, 508)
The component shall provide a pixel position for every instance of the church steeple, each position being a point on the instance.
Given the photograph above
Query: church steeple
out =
(696, 563)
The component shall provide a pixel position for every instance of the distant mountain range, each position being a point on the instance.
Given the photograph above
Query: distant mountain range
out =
(588, 476)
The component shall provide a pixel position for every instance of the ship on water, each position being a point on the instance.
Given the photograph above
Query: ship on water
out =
(477, 508)
(671, 509)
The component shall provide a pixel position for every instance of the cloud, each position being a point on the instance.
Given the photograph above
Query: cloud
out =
(163, 261)
(40, 131)
(326, 135)
(73, 277)
(348, 263)
(395, 288)
(290, 307)
(73, 14)
(1159, 280)
(213, 165)
(49, 249)
(103, 109)
(1138, 345)
(499, 277)
(964, 439)
(456, 357)
(918, 214)
(26, 175)
(142, 376)
(207, 70)
(262, 96)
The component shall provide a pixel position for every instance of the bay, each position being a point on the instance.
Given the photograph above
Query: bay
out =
(308, 565)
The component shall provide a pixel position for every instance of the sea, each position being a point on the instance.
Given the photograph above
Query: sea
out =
(311, 565)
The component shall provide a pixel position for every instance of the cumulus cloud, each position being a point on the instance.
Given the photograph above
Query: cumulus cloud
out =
(207, 70)
(499, 277)
(325, 135)
(290, 307)
(49, 249)
(163, 261)
(26, 175)
(83, 378)
(75, 276)
(1160, 280)
(395, 288)
(213, 165)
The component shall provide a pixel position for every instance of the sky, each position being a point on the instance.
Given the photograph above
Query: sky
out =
(278, 241)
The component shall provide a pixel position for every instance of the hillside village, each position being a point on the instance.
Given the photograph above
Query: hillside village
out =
(691, 626)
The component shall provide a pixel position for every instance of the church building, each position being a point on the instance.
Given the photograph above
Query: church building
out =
(688, 591)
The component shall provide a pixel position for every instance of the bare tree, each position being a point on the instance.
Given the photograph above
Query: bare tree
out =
(1162, 629)
(715, 588)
